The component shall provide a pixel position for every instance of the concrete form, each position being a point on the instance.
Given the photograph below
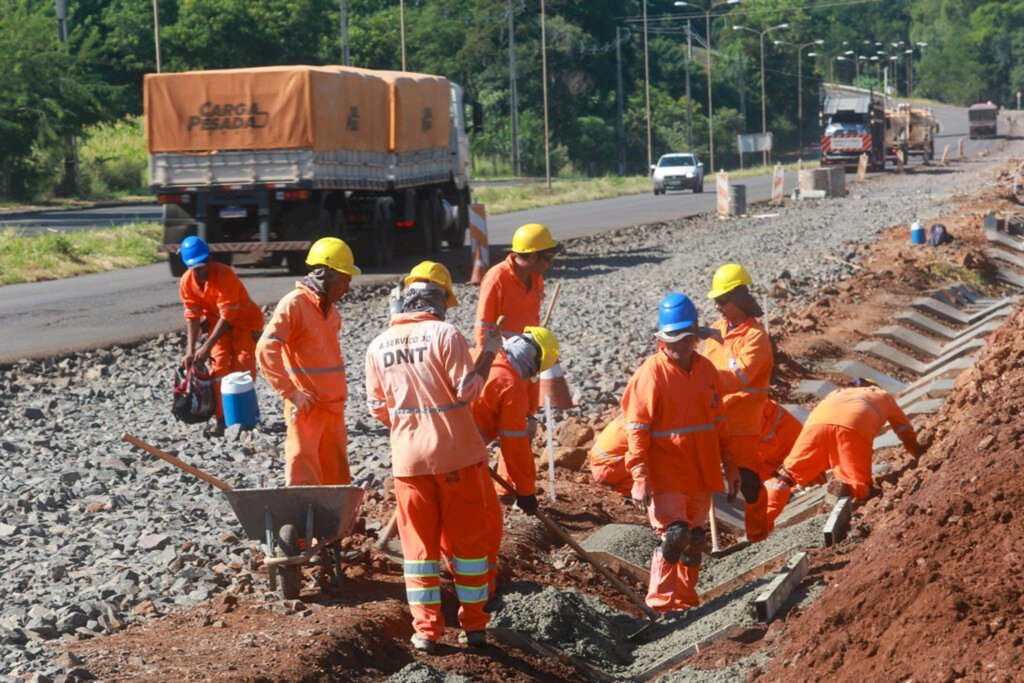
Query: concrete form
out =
(952, 314)
(778, 591)
(838, 524)
(897, 357)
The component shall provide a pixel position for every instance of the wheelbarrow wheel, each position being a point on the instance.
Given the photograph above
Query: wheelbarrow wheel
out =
(289, 575)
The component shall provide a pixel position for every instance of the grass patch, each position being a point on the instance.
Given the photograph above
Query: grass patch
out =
(503, 199)
(952, 272)
(60, 255)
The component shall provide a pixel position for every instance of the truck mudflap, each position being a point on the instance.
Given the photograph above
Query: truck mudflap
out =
(243, 247)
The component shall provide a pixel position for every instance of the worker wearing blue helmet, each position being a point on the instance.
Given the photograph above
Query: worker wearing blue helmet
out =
(216, 300)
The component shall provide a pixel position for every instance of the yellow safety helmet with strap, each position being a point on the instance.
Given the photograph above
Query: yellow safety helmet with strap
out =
(429, 271)
(531, 238)
(333, 253)
(727, 278)
(548, 343)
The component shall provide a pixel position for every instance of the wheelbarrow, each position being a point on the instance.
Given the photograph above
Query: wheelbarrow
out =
(296, 525)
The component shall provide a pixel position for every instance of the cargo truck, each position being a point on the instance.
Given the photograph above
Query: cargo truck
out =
(983, 119)
(917, 129)
(853, 125)
(265, 161)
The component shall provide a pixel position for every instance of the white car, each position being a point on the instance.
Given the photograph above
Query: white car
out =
(678, 172)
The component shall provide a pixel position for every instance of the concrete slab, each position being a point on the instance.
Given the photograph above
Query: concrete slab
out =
(950, 369)
(914, 341)
(815, 387)
(1004, 240)
(797, 411)
(854, 369)
(926, 324)
(838, 524)
(887, 440)
(1010, 277)
(951, 314)
(1014, 259)
(774, 596)
(936, 389)
(925, 407)
(897, 357)
(945, 297)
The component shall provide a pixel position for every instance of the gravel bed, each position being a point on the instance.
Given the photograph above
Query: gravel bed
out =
(96, 534)
(418, 672)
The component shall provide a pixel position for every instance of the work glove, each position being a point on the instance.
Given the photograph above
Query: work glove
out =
(732, 475)
(527, 504)
(641, 491)
(300, 403)
(493, 342)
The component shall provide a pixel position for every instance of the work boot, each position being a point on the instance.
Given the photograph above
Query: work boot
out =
(695, 550)
(218, 429)
(473, 638)
(422, 644)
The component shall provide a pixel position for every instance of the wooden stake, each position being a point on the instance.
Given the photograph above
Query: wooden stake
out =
(551, 305)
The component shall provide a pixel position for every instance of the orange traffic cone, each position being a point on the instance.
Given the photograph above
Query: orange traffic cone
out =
(479, 267)
(553, 384)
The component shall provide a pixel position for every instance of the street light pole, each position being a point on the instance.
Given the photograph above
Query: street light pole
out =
(647, 92)
(620, 127)
(513, 90)
(544, 76)
(156, 33)
(346, 59)
(764, 116)
(401, 28)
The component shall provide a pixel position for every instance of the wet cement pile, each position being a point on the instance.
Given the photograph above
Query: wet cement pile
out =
(418, 672)
(633, 543)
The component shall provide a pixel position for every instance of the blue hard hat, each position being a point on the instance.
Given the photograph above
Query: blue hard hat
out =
(676, 313)
(194, 251)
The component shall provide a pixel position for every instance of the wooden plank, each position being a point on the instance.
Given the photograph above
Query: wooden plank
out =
(838, 523)
(763, 569)
(621, 566)
(687, 652)
(515, 639)
(806, 506)
(778, 591)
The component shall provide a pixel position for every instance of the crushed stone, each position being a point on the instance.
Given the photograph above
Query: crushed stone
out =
(418, 672)
(631, 542)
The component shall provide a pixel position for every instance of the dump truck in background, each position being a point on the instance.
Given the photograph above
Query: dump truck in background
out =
(919, 131)
(983, 118)
(853, 124)
(265, 161)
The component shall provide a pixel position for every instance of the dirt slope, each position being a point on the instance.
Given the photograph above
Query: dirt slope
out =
(935, 592)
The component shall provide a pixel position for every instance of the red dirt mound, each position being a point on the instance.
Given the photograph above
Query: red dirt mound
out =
(935, 592)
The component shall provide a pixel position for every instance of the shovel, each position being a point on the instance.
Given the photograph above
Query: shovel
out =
(615, 581)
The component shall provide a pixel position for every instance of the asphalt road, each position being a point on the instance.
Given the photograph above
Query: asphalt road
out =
(90, 311)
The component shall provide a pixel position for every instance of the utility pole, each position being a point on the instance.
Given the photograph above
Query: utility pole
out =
(544, 76)
(345, 58)
(689, 103)
(156, 32)
(620, 125)
(513, 90)
(71, 180)
(647, 91)
(743, 93)
(401, 28)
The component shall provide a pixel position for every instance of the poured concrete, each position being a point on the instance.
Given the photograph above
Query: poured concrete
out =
(633, 543)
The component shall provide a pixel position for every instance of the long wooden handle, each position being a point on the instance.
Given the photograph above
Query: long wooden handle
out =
(714, 526)
(156, 452)
(551, 304)
(388, 531)
(564, 536)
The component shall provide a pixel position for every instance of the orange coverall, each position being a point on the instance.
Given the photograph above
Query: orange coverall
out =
(744, 361)
(839, 434)
(779, 431)
(224, 296)
(420, 381)
(300, 352)
(502, 293)
(608, 458)
(500, 413)
(675, 426)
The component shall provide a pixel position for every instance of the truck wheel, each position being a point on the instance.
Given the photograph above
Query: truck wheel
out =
(437, 212)
(379, 245)
(178, 225)
(426, 225)
(456, 237)
(290, 574)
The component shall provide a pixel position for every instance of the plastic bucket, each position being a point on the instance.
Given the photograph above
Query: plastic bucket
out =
(917, 235)
(238, 395)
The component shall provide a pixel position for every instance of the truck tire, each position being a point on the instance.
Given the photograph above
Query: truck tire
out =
(427, 229)
(438, 214)
(456, 237)
(308, 223)
(379, 244)
(178, 225)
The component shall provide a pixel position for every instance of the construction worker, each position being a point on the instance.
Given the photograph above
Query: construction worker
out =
(607, 458)
(500, 412)
(839, 434)
(679, 446)
(742, 354)
(212, 293)
(420, 382)
(779, 431)
(300, 354)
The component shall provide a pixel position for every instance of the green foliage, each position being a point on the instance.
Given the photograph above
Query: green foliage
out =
(113, 158)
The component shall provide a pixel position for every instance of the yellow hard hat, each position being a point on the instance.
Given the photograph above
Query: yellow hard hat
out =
(333, 253)
(531, 238)
(727, 278)
(548, 343)
(429, 271)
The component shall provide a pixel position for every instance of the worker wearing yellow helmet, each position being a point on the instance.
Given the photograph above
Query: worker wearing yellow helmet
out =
(300, 355)
(514, 288)
(744, 360)
(500, 412)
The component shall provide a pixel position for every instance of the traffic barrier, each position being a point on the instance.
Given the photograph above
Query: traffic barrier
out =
(862, 168)
(479, 246)
(778, 174)
(722, 186)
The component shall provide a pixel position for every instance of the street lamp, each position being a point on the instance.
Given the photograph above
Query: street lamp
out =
(761, 35)
(800, 81)
(707, 37)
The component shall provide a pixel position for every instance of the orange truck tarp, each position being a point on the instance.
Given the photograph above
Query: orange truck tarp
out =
(421, 112)
(280, 107)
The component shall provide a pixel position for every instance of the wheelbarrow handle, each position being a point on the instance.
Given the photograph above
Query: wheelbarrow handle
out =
(564, 536)
(157, 453)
